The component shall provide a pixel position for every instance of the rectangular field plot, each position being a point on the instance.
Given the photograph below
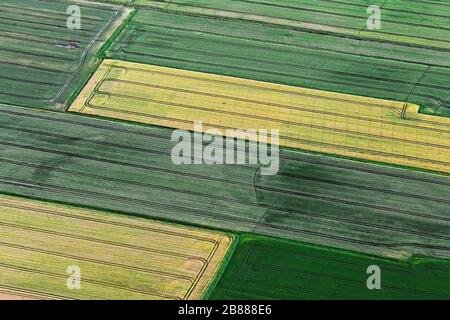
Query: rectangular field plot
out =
(264, 268)
(42, 61)
(314, 198)
(116, 257)
(354, 126)
(297, 57)
(405, 22)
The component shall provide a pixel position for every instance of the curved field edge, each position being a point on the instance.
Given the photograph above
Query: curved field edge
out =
(321, 272)
(223, 267)
(217, 264)
(115, 32)
(126, 254)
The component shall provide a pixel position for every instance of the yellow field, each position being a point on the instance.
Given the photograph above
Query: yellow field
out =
(367, 128)
(118, 257)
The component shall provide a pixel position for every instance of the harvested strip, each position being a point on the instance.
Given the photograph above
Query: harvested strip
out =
(118, 256)
(360, 127)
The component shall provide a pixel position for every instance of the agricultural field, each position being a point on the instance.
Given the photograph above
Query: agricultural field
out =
(353, 126)
(97, 96)
(119, 257)
(314, 198)
(42, 62)
(292, 56)
(343, 18)
(264, 268)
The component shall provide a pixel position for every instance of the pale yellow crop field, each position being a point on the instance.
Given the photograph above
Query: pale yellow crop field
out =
(366, 128)
(118, 257)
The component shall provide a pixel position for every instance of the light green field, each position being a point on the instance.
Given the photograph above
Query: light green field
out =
(405, 22)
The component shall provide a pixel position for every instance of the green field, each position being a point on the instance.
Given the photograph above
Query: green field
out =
(105, 195)
(265, 268)
(287, 55)
(409, 23)
(42, 62)
(127, 168)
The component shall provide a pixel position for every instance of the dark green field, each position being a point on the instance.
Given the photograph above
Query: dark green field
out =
(267, 268)
(127, 168)
(42, 62)
(288, 55)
